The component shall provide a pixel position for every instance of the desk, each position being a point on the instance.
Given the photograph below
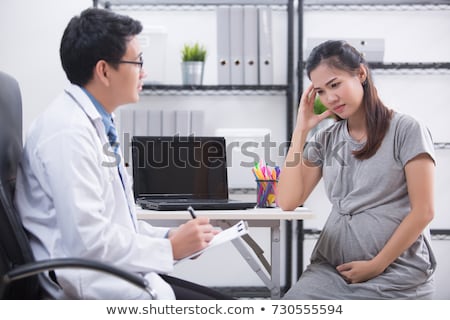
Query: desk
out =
(258, 217)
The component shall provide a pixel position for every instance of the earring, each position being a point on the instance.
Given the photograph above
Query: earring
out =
(364, 83)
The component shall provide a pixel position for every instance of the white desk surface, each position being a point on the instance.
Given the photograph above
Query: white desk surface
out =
(258, 217)
(300, 213)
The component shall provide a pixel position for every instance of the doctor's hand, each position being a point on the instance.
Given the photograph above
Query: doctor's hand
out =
(191, 236)
(359, 271)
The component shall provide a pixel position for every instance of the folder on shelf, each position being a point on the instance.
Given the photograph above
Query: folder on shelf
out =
(126, 131)
(237, 44)
(265, 45)
(197, 122)
(182, 122)
(250, 45)
(168, 123)
(154, 122)
(147, 122)
(223, 45)
(126, 124)
(140, 122)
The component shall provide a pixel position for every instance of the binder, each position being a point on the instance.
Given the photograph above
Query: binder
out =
(197, 122)
(140, 122)
(126, 125)
(168, 123)
(265, 45)
(237, 44)
(223, 45)
(250, 45)
(182, 122)
(154, 123)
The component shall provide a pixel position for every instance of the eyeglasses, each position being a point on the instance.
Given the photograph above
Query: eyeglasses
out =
(139, 63)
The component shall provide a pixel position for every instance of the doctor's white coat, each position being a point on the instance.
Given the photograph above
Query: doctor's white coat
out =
(72, 202)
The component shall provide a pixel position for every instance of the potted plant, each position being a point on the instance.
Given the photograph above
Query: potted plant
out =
(192, 63)
(319, 108)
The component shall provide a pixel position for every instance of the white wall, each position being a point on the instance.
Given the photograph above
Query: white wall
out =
(30, 33)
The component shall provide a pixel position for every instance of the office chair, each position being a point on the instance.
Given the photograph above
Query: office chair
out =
(21, 275)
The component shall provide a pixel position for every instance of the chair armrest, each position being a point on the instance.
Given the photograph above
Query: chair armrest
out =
(36, 267)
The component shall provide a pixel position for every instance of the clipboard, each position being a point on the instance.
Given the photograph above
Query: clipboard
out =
(233, 232)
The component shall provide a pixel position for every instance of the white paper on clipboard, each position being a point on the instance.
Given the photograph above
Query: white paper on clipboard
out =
(233, 232)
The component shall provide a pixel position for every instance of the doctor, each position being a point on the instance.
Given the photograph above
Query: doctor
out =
(73, 192)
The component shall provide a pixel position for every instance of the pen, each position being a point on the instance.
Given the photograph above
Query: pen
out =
(192, 212)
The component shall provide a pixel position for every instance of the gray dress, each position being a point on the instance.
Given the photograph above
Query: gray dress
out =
(369, 200)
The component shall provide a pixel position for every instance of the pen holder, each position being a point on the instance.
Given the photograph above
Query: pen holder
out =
(265, 193)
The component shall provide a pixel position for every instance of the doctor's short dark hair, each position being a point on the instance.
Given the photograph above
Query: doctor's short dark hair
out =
(96, 34)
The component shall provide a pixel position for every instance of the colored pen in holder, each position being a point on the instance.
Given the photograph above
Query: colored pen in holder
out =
(265, 193)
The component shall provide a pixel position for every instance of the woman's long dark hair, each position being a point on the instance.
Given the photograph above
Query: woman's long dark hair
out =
(342, 56)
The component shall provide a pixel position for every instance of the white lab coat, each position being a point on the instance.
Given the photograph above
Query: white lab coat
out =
(73, 204)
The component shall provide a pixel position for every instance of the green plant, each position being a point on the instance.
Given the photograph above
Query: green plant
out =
(319, 106)
(194, 52)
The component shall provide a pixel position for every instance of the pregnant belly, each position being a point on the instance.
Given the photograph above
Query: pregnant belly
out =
(347, 238)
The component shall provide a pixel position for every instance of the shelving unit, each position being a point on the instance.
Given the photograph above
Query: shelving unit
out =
(295, 76)
(213, 90)
(360, 5)
(286, 89)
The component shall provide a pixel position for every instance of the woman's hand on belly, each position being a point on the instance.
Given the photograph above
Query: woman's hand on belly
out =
(359, 271)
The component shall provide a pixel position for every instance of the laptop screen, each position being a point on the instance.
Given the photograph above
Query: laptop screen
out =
(179, 167)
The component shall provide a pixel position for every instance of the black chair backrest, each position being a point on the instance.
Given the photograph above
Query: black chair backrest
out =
(14, 245)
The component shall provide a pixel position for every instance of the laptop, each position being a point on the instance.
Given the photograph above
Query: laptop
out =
(174, 172)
